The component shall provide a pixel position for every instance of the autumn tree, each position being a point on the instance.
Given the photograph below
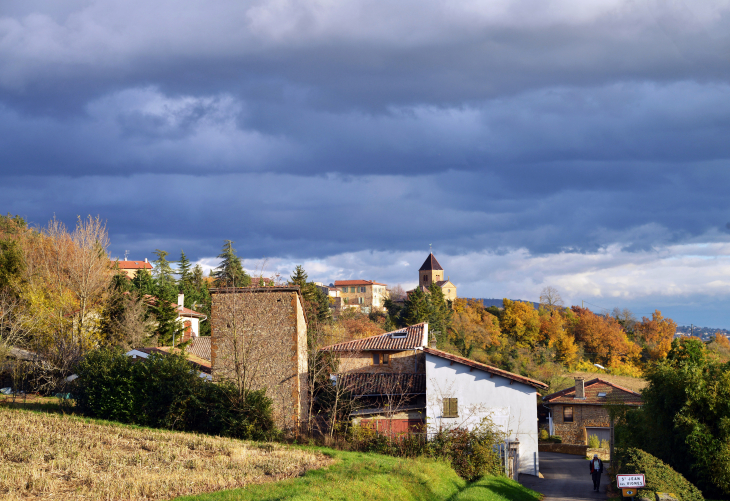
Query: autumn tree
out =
(603, 338)
(655, 335)
(554, 335)
(550, 298)
(520, 322)
(474, 328)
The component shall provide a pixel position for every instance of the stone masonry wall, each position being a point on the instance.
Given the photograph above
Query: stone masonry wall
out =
(258, 340)
(399, 362)
(583, 416)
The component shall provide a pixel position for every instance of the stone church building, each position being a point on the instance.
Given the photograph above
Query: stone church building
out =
(432, 272)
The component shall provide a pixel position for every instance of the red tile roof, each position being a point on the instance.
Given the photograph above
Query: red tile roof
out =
(183, 312)
(430, 264)
(134, 265)
(201, 365)
(363, 384)
(614, 393)
(343, 283)
(486, 368)
(416, 336)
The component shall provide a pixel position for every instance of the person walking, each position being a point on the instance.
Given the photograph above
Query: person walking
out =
(596, 466)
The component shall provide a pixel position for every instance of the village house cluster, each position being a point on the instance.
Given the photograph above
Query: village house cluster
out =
(400, 381)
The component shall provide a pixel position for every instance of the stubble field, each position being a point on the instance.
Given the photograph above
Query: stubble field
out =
(50, 456)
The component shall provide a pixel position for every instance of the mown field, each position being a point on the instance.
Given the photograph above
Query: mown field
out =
(52, 456)
(55, 456)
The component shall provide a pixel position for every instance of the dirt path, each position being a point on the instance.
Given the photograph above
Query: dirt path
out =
(566, 479)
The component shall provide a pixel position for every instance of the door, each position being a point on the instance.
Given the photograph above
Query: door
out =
(601, 433)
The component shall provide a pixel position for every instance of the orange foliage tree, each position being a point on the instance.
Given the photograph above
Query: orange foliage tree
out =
(603, 338)
(655, 335)
(554, 335)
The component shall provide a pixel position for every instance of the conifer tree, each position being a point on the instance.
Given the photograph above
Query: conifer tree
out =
(417, 308)
(230, 272)
(143, 283)
(163, 271)
(183, 270)
(440, 313)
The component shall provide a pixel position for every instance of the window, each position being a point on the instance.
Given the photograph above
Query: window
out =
(376, 358)
(362, 289)
(567, 414)
(602, 394)
(386, 357)
(451, 407)
(360, 300)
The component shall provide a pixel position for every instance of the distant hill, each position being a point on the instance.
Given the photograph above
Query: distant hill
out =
(487, 302)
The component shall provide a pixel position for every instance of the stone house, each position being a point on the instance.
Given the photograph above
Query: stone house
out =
(259, 340)
(403, 385)
(578, 412)
(362, 294)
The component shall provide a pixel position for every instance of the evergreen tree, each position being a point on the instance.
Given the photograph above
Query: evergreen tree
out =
(417, 308)
(230, 272)
(316, 301)
(143, 283)
(168, 327)
(183, 270)
(440, 312)
(163, 271)
(299, 277)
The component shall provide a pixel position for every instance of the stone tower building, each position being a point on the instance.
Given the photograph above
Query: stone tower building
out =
(432, 272)
(259, 340)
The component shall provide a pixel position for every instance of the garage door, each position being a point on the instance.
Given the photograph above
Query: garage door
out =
(601, 433)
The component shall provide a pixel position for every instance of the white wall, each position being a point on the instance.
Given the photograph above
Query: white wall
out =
(511, 406)
(194, 324)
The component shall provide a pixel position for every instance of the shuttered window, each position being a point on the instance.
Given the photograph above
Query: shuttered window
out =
(376, 358)
(385, 359)
(451, 407)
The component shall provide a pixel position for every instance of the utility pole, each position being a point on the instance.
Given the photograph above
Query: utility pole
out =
(691, 329)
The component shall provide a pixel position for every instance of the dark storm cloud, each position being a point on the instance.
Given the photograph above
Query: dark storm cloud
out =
(319, 128)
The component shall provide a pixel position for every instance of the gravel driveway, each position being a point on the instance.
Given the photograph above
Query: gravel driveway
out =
(566, 478)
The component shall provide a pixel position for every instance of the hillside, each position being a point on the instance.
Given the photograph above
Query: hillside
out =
(54, 456)
(631, 383)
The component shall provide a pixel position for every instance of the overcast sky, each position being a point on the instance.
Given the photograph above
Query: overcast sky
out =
(582, 145)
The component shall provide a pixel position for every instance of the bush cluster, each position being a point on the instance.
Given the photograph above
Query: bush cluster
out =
(660, 477)
(166, 392)
(472, 453)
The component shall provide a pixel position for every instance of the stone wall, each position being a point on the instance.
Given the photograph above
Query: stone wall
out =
(409, 361)
(577, 450)
(259, 340)
(584, 416)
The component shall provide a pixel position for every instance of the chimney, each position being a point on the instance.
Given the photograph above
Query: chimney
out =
(580, 389)
(145, 260)
(181, 301)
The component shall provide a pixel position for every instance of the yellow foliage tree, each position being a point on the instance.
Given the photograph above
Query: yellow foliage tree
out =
(521, 322)
(554, 335)
(473, 327)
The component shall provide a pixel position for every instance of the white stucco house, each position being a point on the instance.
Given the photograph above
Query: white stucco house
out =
(461, 392)
(403, 385)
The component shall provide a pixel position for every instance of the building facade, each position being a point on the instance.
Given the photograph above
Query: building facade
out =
(131, 268)
(259, 340)
(579, 412)
(363, 294)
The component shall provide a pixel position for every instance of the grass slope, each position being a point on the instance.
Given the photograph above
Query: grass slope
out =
(53, 456)
(372, 477)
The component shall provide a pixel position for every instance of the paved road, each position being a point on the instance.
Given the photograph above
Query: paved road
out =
(566, 479)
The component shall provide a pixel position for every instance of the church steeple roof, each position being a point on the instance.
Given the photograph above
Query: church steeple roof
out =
(430, 264)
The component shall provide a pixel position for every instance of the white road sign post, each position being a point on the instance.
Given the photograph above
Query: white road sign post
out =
(629, 484)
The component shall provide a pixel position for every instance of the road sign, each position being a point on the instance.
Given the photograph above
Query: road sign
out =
(630, 481)
(628, 493)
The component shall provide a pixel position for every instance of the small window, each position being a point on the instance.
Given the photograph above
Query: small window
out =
(451, 407)
(362, 289)
(360, 300)
(386, 357)
(376, 358)
(602, 394)
(567, 414)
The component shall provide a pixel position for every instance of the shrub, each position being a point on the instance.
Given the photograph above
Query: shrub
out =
(544, 434)
(660, 477)
(166, 392)
(593, 442)
(605, 444)
(555, 439)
